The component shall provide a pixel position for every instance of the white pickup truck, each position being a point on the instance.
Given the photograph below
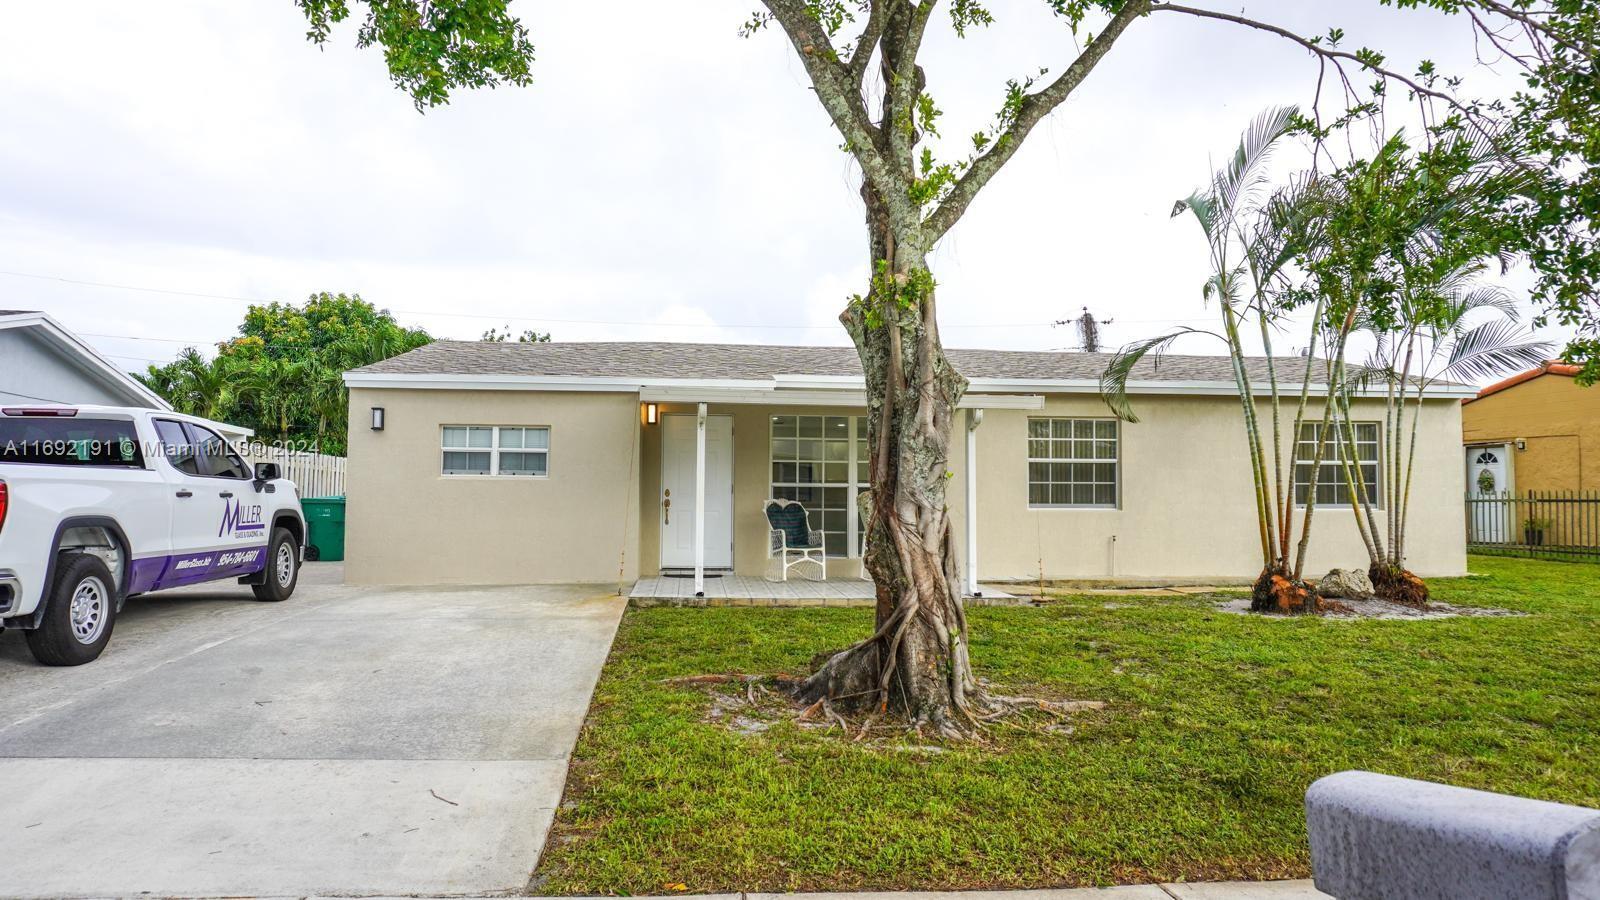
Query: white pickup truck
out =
(99, 503)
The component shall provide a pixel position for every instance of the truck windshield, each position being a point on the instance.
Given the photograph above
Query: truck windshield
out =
(55, 441)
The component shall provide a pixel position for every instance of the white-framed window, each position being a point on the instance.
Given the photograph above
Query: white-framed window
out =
(495, 450)
(1332, 490)
(1073, 462)
(822, 462)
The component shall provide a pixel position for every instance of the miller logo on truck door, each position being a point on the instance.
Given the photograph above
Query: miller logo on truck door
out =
(240, 520)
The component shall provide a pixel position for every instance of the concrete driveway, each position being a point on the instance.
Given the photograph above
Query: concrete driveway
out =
(349, 741)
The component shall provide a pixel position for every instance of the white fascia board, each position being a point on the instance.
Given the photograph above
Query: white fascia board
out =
(87, 356)
(856, 398)
(1187, 388)
(819, 382)
(1001, 401)
(766, 395)
(592, 383)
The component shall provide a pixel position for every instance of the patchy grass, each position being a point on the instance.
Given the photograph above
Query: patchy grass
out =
(1196, 769)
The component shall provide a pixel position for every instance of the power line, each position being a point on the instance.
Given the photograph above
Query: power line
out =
(500, 317)
(485, 316)
(31, 397)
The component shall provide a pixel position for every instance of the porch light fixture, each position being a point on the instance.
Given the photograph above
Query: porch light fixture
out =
(1522, 444)
(377, 418)
(652, 414)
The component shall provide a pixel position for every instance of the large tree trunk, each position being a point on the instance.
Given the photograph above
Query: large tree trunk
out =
(915, 664)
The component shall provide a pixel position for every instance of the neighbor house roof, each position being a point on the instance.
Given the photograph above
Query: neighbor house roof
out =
(1552, 367)
(760, 361)
(82, 355)
(87, 358)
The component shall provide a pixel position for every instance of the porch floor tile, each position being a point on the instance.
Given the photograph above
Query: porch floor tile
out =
(761, 592)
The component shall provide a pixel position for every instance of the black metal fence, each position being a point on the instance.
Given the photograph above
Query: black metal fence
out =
(1547, 524)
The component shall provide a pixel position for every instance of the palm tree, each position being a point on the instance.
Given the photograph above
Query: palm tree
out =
(278, 388)
(1254, 233)
(193, 384)
(1455, 328)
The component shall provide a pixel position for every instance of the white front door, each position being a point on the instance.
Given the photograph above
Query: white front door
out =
(1488, 480)
(678, 493)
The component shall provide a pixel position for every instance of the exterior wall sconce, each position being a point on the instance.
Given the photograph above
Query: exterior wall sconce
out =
(377, 418)
(1522, 444)
(652, 414)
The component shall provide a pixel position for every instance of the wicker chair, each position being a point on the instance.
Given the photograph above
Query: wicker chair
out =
(786, 521)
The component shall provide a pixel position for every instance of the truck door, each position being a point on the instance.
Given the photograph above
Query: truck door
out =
(217, 527)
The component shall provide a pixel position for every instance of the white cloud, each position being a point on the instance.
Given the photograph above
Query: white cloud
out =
(661, 173)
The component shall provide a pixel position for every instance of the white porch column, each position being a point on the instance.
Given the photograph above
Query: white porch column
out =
(974, 419)
(700, 502)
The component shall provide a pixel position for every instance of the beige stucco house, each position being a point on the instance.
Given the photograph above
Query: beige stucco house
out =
(491, 463)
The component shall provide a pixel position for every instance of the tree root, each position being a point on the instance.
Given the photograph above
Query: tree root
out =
(1397, 584)
(1275, 592)
(772, 698)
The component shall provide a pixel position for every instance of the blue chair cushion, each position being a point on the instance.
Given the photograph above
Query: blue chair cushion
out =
(791, 520)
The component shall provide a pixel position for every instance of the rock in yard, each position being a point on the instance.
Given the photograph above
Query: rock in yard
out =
(1351, 583)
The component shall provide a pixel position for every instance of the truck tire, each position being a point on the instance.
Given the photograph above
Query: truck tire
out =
(283, 568)
(80, 610)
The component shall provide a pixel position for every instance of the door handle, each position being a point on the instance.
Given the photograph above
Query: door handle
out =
(666, 505)
(186, 493)
(225, 494)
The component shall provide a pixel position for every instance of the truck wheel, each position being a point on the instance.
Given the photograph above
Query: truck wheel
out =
(79, 612)
(283, 567)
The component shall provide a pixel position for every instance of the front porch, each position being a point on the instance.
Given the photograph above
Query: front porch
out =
(712, 460)
(728, 589)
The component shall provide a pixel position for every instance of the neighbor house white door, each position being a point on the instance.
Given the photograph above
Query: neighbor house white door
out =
(1488, 478)
(676, 508)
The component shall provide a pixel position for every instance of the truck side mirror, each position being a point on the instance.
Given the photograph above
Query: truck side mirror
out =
(267, 471)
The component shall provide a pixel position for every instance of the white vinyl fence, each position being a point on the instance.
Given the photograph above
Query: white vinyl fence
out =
(315, 474)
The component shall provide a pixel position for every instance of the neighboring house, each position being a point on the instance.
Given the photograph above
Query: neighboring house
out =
(42, 362)
(1536, 431)
(502, 463)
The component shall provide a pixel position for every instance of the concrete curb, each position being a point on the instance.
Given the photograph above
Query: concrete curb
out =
(1209, 890)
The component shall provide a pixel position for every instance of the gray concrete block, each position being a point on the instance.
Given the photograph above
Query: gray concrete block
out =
(1376, 836)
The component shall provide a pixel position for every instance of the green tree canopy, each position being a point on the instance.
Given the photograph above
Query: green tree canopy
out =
(283, 374)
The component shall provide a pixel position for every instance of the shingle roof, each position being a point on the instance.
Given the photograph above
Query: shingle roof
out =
(759, 361)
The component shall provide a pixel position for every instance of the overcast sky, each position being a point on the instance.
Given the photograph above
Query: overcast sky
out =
(662, 179)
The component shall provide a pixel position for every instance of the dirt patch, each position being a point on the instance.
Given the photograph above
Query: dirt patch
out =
(1374, 608)
(749, 705)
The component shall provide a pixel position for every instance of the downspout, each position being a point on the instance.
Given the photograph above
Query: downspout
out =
(700, 502)
(974, 419)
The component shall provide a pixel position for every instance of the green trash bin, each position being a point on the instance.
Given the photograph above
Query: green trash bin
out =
(325, 522)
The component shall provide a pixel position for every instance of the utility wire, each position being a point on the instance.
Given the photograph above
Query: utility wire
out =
(498, 317)
(31, 397)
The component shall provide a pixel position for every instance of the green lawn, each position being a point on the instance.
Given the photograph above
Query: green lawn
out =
(1196, 769)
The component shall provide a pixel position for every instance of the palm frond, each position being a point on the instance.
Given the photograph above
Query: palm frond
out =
(1493, 349)
(1114, 380)
(1360, 379)
(1243, 171)
(1488, 296)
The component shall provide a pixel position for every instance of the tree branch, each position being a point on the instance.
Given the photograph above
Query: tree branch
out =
(1534, 26)
(901, 44)
(861, 57)
(841, 99)
(1329, 53)
(1034, 108)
